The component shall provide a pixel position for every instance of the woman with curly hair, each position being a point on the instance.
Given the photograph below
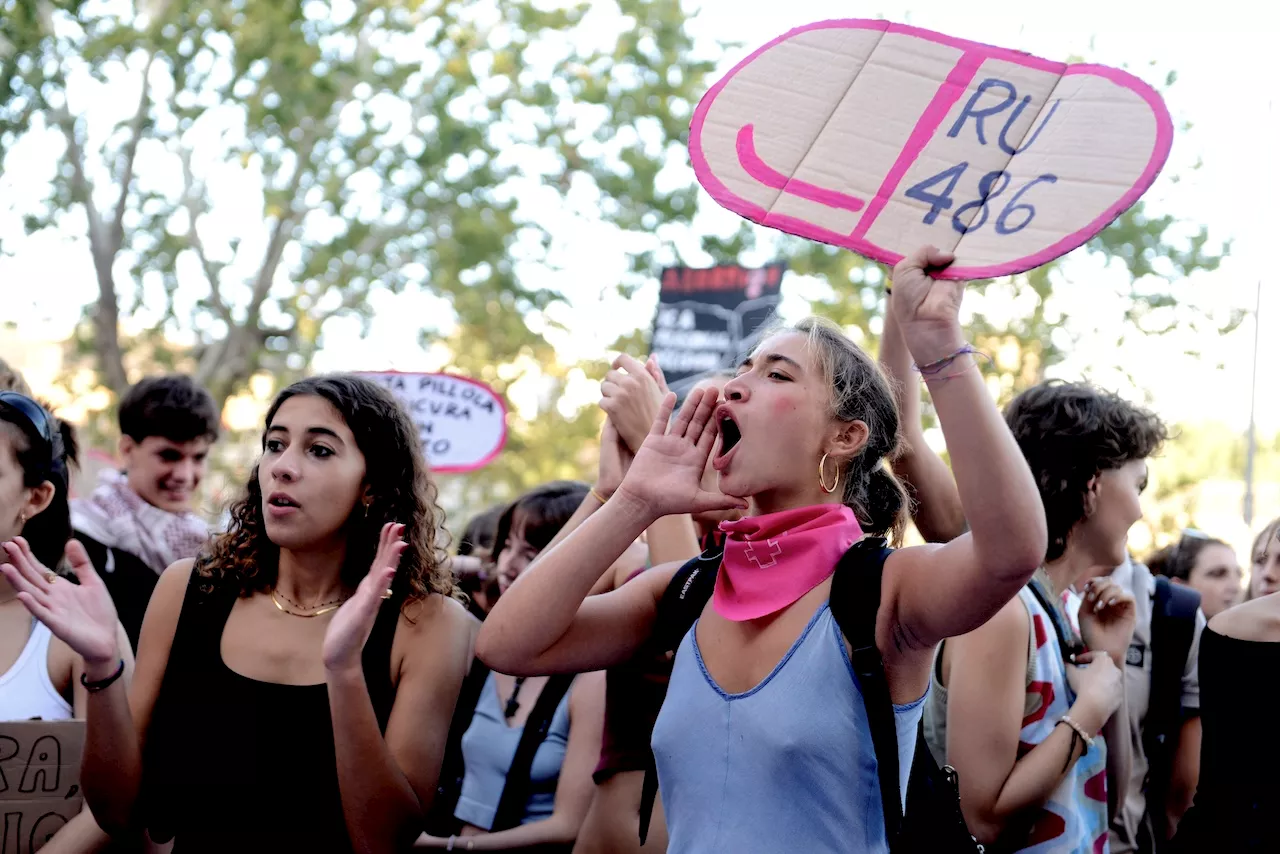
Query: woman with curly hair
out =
(1035, 726)
(294, 687)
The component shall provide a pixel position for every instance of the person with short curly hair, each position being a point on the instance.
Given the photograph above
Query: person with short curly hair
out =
(139, 519)
(1012, 711)
(295, 684)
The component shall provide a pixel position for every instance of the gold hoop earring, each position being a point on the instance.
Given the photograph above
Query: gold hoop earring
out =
(822, 476)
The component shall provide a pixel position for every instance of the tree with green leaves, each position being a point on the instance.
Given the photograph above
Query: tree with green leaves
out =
(244, 172)
(383, 146)
(276, 164)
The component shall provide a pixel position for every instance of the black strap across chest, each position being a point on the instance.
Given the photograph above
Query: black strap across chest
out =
(855, 602)
(515, 794)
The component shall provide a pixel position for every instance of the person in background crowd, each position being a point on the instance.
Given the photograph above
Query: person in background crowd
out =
(1235, 804)
(803, 432)
(138, 521)
(1163, 721)
(1205, 564)
(1017, 705)
(530, 743)
(473, 562)
(1163, 704)
(294, 688)
(631, 395)
(39, 674)
(1264, 563)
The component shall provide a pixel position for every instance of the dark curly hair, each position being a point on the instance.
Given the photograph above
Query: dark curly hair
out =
(1069, 433)
(398, 479)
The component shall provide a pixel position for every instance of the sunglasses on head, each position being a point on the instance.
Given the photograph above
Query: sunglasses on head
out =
(33, 412)
(1189, 535)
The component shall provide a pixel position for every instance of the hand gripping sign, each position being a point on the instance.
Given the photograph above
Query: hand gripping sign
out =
(879, 138)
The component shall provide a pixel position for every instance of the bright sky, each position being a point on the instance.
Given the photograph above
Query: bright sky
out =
(1223, 89)
(1225, 81)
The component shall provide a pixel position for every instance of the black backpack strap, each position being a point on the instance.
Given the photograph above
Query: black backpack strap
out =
(440, 820)
(685, 598)
(855, 602)
(1173, 629)
(515, 794)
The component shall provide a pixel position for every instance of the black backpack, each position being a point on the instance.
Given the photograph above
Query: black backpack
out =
(934, 823)
(1173, 629)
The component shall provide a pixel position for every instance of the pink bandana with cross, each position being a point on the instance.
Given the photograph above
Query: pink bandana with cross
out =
(771, 561)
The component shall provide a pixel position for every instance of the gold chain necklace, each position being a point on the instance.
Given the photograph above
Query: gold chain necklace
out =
(295, 604)
(320, 609)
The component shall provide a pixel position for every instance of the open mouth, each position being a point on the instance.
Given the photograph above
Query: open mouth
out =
(730, 434)
(281, 501)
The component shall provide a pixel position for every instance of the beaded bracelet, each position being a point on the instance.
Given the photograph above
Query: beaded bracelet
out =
(1084, 736)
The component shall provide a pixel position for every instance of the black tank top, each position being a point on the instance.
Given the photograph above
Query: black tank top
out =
(234, 764)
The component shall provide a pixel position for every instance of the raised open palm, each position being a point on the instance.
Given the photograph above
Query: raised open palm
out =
(351, 625)
(666, 475)
(82, 615)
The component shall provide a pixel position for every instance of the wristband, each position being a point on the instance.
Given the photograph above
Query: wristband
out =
(102, 685)
(597, 496)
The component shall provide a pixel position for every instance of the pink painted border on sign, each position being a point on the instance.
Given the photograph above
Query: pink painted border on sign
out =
(502, 404)
(926, 126)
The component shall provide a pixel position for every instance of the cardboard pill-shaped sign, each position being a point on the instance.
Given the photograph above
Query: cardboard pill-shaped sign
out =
(880, 138)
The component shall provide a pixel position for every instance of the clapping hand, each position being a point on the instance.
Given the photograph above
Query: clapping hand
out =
(630, 395)
(349, 629)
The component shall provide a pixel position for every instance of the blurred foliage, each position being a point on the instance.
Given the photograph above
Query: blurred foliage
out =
(392, 146)
(389, 145)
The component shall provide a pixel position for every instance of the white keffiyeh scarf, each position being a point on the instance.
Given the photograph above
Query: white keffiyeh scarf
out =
(119, 518)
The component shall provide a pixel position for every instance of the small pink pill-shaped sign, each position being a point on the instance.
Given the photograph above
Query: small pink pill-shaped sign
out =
(879, 137)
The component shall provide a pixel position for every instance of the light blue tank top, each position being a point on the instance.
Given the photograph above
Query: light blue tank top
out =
(488, 748)
(786, 766)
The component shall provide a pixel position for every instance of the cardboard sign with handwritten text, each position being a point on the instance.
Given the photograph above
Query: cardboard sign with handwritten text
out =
(461, 422)
(39, 781)
(879, 138)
